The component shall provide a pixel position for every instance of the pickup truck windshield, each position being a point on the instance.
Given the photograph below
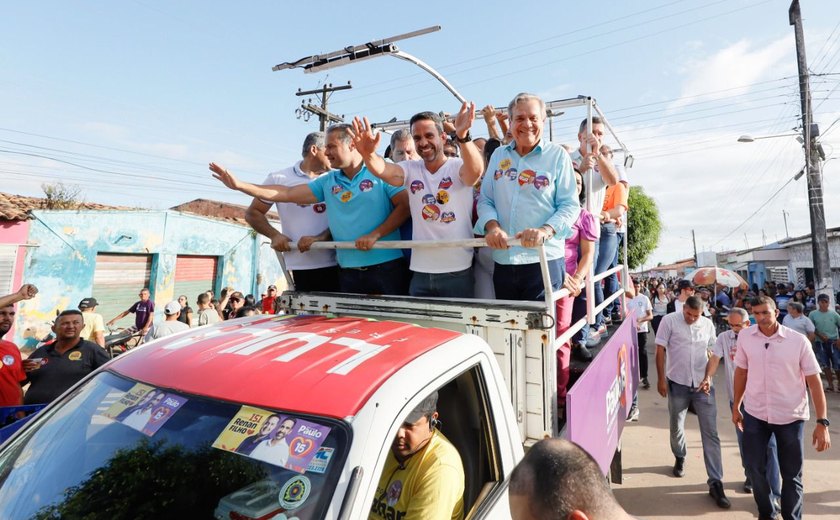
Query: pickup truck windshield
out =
(118, 448)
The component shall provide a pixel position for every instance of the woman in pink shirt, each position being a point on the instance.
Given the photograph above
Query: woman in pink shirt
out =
(580, 253)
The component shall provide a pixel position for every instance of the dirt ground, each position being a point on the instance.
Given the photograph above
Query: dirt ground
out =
(649, 490)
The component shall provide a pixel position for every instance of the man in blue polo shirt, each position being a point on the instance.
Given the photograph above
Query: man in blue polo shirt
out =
(360, 208)
(529, 193)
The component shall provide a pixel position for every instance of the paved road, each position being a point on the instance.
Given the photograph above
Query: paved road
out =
(650, 491)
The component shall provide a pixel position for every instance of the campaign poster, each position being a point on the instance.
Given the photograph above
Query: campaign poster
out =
(278, 439)
(145, 408)
(129, 400)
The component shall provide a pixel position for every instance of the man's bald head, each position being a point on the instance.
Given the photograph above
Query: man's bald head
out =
(557, 479)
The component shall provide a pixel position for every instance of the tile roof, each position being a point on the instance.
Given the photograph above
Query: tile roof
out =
(218, 210)
(17, 207)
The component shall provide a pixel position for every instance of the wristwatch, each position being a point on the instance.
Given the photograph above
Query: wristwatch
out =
(466, 139)
(824, 422)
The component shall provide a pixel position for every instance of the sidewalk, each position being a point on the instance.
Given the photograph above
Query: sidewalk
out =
(650, 490)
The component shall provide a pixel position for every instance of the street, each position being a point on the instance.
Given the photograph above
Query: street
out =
(651, 491)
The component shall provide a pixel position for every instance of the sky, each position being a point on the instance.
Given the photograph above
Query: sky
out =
(130, 100)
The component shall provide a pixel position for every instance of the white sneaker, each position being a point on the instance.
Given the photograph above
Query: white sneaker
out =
(634, 414)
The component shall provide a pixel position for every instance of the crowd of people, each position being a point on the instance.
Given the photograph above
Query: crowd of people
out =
(77, 344)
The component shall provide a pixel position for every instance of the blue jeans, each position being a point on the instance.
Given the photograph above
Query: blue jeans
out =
(459, 284)
(386, 278)
(605, 251)
(790, 445)
(679, 397)
(611, 281)
(772, 473)
(524, 281)
(827, 354)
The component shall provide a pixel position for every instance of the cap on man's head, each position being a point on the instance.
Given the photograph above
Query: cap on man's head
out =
(171, 308)
(272, 288)
(685, 284)
(823, 298)
(88, 303)
(427, 406)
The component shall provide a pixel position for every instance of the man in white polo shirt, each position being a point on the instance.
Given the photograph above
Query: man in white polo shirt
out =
(687, 337)
(440, 195)
(312, 270)
(773, 366)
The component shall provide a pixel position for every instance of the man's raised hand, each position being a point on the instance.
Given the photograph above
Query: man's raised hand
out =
(464, 119)
(364, 137)
(227, 178)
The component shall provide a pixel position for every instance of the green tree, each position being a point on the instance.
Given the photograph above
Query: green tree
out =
(643, 227)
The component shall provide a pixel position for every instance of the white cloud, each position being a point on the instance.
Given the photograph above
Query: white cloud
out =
(742, 63)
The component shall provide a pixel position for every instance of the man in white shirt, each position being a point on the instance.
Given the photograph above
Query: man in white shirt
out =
(797, 321)
(171, 325)
(440, 195)
(206, 313)
(312, 270)
(275, 449)
(687, 337)
(644, 315)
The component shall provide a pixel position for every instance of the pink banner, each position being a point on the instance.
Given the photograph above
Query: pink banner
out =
(598, 403)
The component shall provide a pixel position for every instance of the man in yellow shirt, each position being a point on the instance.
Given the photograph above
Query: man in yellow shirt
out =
(423, 477)
(94, 329)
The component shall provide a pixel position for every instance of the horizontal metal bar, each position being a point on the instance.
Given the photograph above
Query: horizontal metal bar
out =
(567, 336)
(608, 301)
(410, 244)
(600, 276)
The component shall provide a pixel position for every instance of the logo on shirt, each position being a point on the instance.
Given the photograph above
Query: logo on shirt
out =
(366, 185)
(319, 208)
(392, 495)
(8, 360)
(431, 212)
(445, 183)
(336, 189)
(511, 173)
(540, 182)
(75, 356)
(526, 177)
(504, 164)
(428, 198)
(498, 174)
(416, 186)
(447, 217)
(346, 196)
(443, 196)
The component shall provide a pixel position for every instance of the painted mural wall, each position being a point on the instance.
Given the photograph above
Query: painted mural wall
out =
(62, 262)
(13, 234)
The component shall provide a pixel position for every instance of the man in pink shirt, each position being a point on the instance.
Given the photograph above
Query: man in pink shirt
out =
(773, 366)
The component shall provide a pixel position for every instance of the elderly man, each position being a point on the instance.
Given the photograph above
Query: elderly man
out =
(440, 198)
(528, 193)
(775, 368)
(796, 320)
(311, 270)
(725, 349)
(557, 479)
(683, 340)
(359, 206)
(54, 368)
(423, 475)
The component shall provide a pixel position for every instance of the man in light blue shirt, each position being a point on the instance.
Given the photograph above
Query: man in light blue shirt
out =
(360, 207)
(528, 192)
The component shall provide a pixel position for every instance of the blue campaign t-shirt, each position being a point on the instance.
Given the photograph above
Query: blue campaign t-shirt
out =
(355, 208)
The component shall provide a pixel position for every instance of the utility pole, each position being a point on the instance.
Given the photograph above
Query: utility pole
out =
(324, 116)
(694, 242)
(819, 239)
(785, 216)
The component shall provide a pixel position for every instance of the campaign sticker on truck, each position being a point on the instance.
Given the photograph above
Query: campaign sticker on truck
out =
(294, 492)
(279, 439)
(320, 461)
(145, 408)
